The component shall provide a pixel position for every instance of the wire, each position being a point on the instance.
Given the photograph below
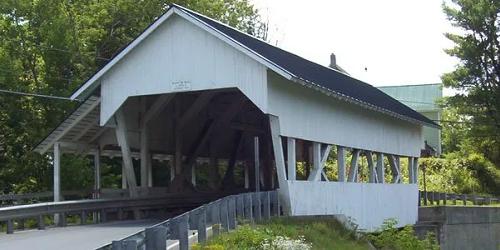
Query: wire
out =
(37, 95)
(48, 77)
(61, 50)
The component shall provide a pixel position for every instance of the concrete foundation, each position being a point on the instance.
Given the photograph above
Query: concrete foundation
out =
(462, 227)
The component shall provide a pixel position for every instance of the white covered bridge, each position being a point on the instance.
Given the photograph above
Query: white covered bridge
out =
(191, 92)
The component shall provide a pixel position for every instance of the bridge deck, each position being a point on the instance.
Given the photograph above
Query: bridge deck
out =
(73, 237)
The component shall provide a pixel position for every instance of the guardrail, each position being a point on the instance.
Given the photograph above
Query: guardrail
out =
(28, 198)
(220, 216)
(100, 208)
(438, 198)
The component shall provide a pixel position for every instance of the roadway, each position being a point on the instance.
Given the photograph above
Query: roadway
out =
(73, 237)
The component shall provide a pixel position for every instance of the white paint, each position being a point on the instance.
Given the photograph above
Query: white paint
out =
(347, 124)
(179, 51)
(279, 160)
(291, 158)
(368, 204)
(341, 163)
(57, 171)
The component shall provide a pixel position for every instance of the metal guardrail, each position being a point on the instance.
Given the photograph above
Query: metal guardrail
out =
(100, 206)
(19, 199)
(221, 215)
(438, 198)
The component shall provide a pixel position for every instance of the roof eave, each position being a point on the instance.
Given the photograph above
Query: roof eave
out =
(363, 104)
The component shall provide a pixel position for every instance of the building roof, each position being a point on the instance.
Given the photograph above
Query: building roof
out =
(420, 97)
(327, 80)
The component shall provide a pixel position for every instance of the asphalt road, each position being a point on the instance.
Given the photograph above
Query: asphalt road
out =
(72, 237)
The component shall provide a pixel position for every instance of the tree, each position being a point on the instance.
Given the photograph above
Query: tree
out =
(477, 77)
(51, 47)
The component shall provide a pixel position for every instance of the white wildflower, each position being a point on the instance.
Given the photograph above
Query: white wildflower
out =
(285, 243)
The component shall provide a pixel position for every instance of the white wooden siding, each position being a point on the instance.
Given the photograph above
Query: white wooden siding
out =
(307, 114)
(367, 204)
(180, 52)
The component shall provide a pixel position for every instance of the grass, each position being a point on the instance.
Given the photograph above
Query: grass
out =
(318, 233)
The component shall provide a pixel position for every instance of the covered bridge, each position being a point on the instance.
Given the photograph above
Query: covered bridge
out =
(191, 91)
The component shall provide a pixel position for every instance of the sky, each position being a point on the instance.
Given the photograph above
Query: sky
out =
(398, 42)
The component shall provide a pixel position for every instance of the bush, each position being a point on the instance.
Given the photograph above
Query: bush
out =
(390, 237)
(460, 173)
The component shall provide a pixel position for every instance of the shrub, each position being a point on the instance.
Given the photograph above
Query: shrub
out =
(390, 237)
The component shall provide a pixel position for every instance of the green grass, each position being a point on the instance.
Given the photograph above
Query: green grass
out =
(320, 233)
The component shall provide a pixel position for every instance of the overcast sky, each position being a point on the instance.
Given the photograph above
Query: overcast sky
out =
(399, 42)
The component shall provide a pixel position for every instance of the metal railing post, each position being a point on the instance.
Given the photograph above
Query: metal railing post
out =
(232, 212)
(257, 206)
(156, 238)
(267, 205)
(248, 206)
(182, 232)
(41, 222)
(215, 217)
(10, 227)
(240, 205)
(224, 214)
(202, 224)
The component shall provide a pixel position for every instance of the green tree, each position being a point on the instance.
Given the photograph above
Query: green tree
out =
(477, 77)
(51, 47)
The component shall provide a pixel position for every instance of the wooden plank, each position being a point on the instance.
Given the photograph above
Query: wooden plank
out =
(319, 161)
(161, 102)
(195, 108)
(256, 163)
(279, 161)
(84, 131)
(373, 178)
(128, 167)
(341, 164)
(82, 115)
(292, 159)
(353, 171)
(380, 168)
(394, 163)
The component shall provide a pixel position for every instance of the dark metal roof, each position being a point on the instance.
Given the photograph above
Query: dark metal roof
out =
(308, 71)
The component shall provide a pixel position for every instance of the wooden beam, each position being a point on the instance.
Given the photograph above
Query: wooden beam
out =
(144, 148)
(97, 173)
(324, 175)
(353, 171)
(161, 102)
(195, 108)
(57, 171)
(319, 161)
(101, 131)
(373, 178)
(410, 170)
(280, 162)
(251, 129)
(228, 181)
(394, 163)
(256, 163)
(86, 129)
(341, 164)
(128, 167)
(292, 159)
(415, 170)
(57, 177)
(73, 123)
(380, 168)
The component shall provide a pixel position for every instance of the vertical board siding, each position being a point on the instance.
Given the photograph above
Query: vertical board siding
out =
(307, 114)
(179, 51)
(367, 204)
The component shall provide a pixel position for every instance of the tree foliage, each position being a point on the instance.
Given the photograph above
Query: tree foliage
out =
(477, 77)
(51, 47)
